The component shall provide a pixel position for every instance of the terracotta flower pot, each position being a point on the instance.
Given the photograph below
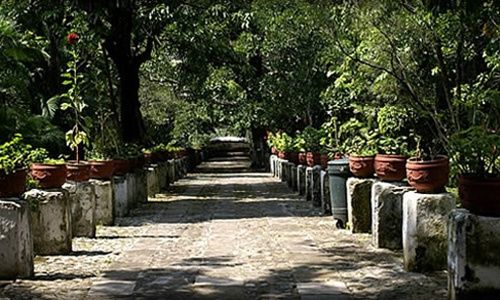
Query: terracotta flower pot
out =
(480, 195)
(274, 150)
(390, 167)
(429, 176)
(49, 176)
(362, 166)
(151, 157)
(283, 155)
(313, 159)
(101, 169)
(324, 161)
(13, 185)
(302, 158)
(77, 171)
(293, 157)
(122, 166)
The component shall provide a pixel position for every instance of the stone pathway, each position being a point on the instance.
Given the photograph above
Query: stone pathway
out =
(224, 235)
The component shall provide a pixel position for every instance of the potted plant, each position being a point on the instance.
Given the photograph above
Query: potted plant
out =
(48, 173)
(14, 161)
(284, 144)
(312, 138)
(299, 144)
(271, 141)
(361, 144)
(476, 153)
(101, 164)
(77, 170)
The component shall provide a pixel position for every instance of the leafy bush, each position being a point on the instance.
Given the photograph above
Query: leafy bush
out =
(15, 154)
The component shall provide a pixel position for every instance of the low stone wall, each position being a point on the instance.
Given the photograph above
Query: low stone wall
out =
(121, 197)
(51, 220)
(359, 204)
(103, 202)
(387, 214)
(473, 256)
(425, 218)
(82, 199)
(16, 240)
(152, 180)
(141, 186)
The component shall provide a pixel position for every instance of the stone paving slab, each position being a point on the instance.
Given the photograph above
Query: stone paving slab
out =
(238, 235)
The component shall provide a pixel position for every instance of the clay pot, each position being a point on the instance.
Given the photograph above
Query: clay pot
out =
(302, 158)
(293, 157)
(429, 176)
(274, 150)
(480, 195)
(151, 157)
(283, 155)
(13, 185)
(313, 159)
(362, 166)
(122, 166)
(324, 161)
(390, 167)
(101, 169)
(49, 176)
(77, 171)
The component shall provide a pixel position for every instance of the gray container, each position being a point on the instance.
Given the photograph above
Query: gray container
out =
(338, 171)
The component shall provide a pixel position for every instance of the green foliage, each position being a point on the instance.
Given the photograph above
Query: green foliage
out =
(15, 154)
(312, 139)
(282, 142)
(360, 138)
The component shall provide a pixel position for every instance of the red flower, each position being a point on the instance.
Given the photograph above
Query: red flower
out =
(72, 38)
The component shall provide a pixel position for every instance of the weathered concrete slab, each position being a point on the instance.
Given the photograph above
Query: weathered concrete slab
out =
(121, 196)
(301, 179)
(152, 180)
(272, 164)
(473, 256)
(425, 218)
(141, 186)
(82, 199)
(309, 183)
(325, 194)
(359, 204)
(16, 239)
(316, 186)
(103, 202)
(131, 190)
(171, 171)
(387, 214)
(51, 220)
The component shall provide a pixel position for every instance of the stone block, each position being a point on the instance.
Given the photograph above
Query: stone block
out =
(308, 183)
(171, 171)
(387, 214)
(293, 174)
(141, 186)
(425, 218)
(152, 180)
(121, 198)
(16, 239)
(131, 190)
(325, 194)
(82, 199)
(301, 179)
(51, 220)
(316, 186)
(473, 259)
(272, 166)
(359, 219)
(103, 202)
(289, 177)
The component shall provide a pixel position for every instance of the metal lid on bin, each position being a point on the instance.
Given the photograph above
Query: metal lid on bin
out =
(338, 166)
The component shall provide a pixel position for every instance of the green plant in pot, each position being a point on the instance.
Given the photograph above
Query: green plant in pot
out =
(14, 161)
(48, 173)
(284, 144)
(299, 144)
(476, 153)
(271, 140)
(101, 163)
(312, 141)
(361, 144)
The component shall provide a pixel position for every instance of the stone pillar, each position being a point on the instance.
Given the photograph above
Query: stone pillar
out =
(103, 202)
(387, 214)
(289, 178)
(308, 185)
(473, 260)
(51, 220)
(16, 239)
(131, 190)
(359, 204)
(171, 171)
(141, 186)
(425, 219)
(120, 191)
(293, 175)
(152, 180)
(272, 167)
(316, 186)
(283, 169)
(325, 193)
(82, 199)
(301, 179)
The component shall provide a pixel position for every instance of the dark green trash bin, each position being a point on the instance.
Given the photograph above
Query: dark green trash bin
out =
(338, 171)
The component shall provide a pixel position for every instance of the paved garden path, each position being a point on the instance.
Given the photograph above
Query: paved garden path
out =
(225, 234)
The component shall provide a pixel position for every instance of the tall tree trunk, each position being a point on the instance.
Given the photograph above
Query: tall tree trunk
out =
(133, 129)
